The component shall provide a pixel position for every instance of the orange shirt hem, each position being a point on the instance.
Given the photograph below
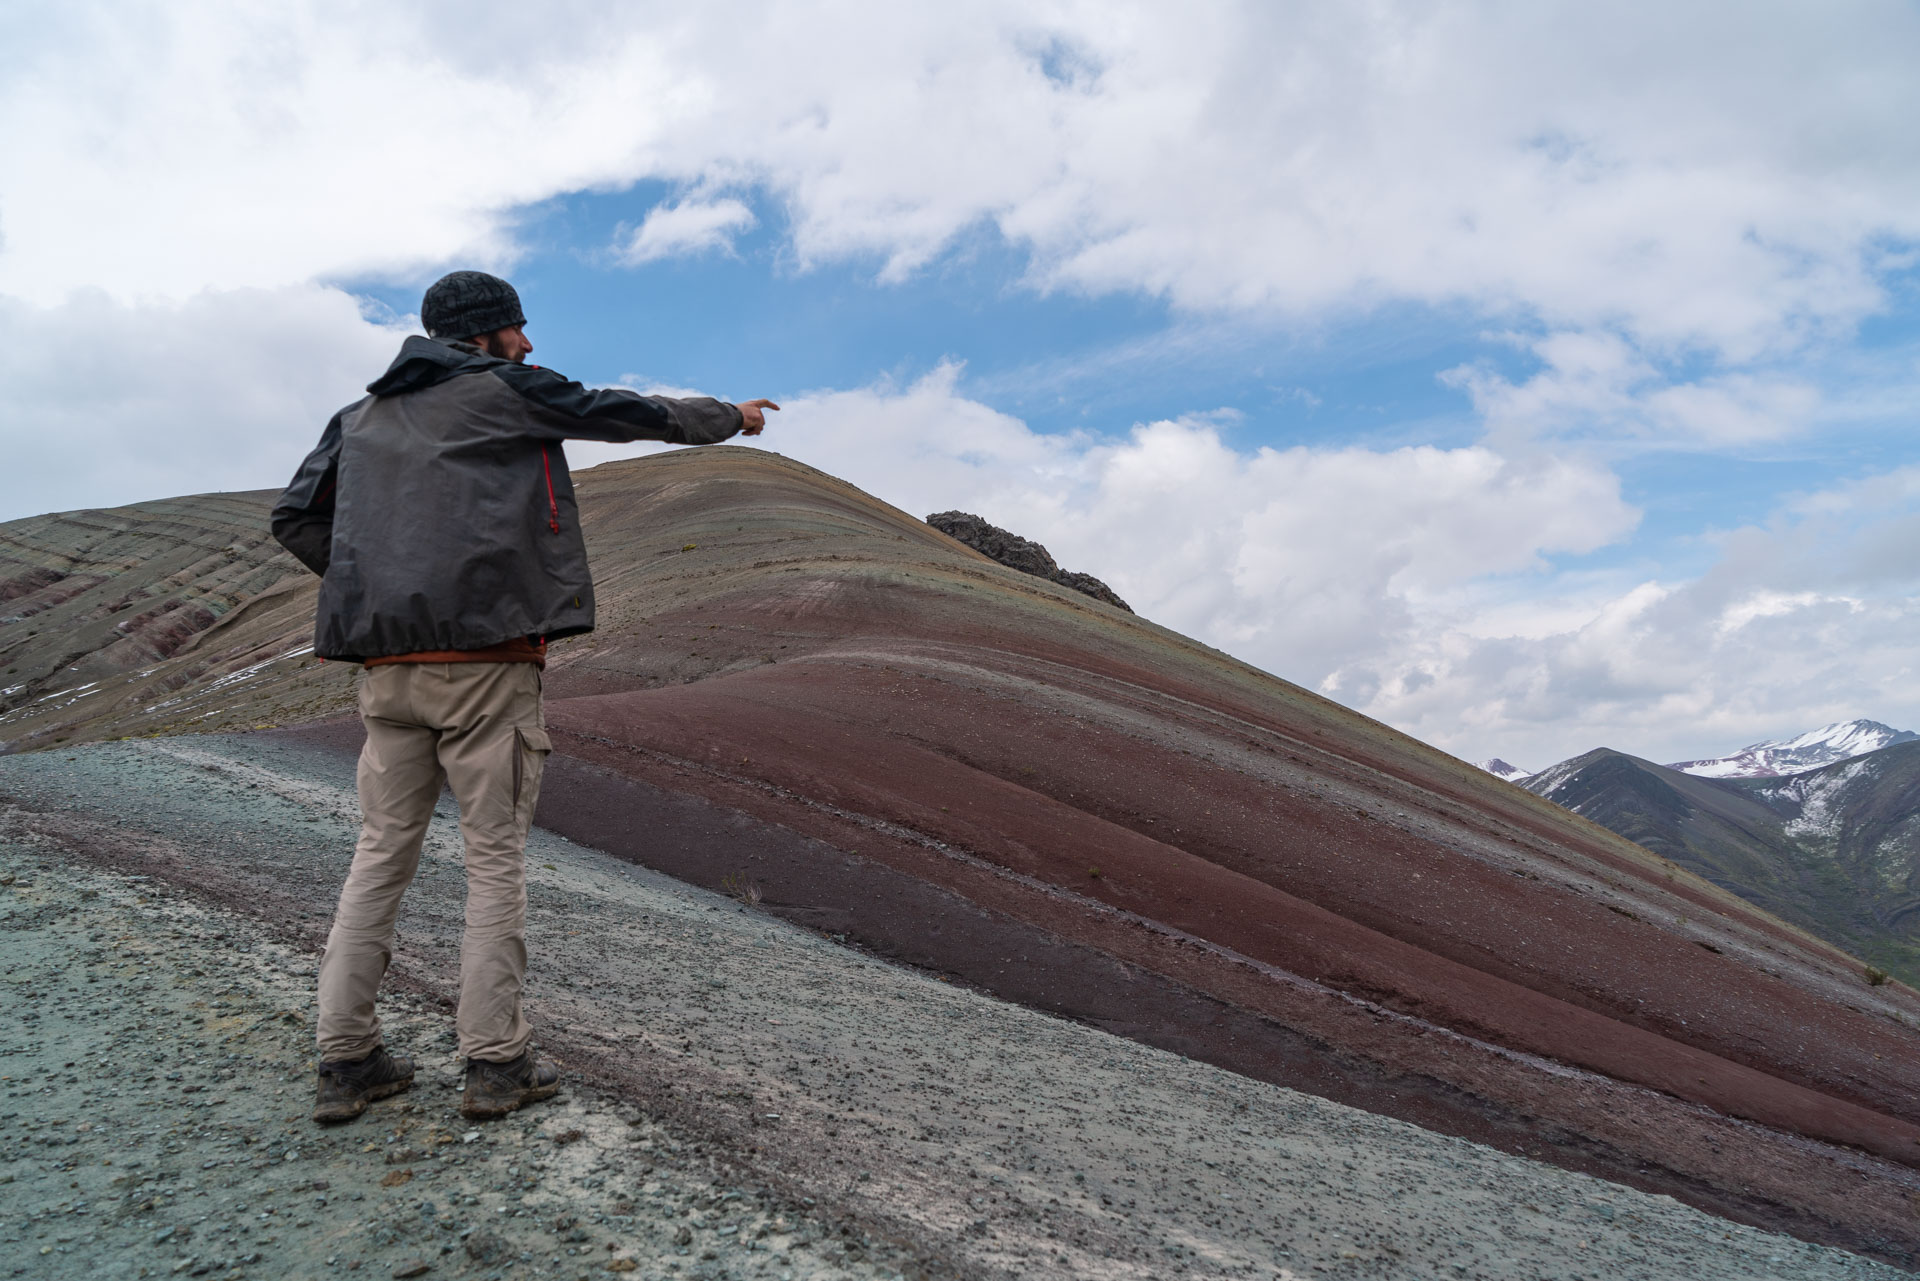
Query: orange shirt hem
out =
(520, 649)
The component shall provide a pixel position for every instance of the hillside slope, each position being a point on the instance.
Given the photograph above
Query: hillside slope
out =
(803, 694)
(744, 1099)
(1835, 849)
(163, 617)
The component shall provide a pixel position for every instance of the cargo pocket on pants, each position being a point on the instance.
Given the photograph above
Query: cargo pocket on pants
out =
(526, 739)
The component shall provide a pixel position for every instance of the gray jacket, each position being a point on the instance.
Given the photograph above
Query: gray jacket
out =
(439, 511)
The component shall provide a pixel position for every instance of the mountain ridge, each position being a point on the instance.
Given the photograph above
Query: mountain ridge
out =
(1836, 849)
(1838, 741)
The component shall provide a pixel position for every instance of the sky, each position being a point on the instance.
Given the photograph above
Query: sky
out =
(1531, 377)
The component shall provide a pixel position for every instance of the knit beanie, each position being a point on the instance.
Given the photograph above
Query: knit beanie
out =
(462, 304)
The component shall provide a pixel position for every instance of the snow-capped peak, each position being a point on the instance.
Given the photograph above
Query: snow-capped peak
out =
(1840, 741)
(1848, 738)
(1496, 766)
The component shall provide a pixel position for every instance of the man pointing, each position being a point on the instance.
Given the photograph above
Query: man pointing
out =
(439, 512)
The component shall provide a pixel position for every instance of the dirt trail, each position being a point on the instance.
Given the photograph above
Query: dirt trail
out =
(937, 1132)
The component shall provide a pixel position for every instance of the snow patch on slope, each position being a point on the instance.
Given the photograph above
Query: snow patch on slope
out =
(1550, 780)
(1819, 796)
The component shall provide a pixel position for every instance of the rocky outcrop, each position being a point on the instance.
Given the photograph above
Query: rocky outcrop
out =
(1019, 553)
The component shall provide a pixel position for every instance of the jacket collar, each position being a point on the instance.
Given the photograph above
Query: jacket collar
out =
(422, 362)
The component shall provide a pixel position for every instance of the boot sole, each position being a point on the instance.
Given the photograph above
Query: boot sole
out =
(531, 1095)
(347, 1112)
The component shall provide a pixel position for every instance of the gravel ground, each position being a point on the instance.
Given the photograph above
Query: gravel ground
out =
(158, 1079)
(748, 1098)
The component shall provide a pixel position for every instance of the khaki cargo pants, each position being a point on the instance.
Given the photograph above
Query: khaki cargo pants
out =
(478, 727)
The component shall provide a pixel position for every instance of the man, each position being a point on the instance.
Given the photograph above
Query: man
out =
(440, 515)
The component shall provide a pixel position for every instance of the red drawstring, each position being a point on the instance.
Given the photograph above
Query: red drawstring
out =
(553, 508)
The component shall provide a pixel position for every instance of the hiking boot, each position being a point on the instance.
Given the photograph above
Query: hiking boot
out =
(347, 1086)
(495, 1089)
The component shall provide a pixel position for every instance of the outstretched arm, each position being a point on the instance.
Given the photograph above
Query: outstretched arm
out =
(566, 410)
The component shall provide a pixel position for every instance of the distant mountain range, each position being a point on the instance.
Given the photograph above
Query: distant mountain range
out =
(1840, 741)
(1834, 849)
(1822, 829)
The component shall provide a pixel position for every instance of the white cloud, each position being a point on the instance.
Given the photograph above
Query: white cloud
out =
(1596, 385)
(1887, 492)
(1631, 181)
(1764, 603)
(164, 150)
(690, 227)
(1804, 621)
(109, 403)
(1303, 561)
(1637, 171)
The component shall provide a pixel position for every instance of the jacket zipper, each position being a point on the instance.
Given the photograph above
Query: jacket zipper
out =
(553, 508)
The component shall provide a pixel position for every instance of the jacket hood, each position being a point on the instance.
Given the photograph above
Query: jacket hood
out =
(422, 362)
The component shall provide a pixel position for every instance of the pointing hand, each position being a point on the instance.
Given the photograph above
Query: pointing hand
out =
(752, 421)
